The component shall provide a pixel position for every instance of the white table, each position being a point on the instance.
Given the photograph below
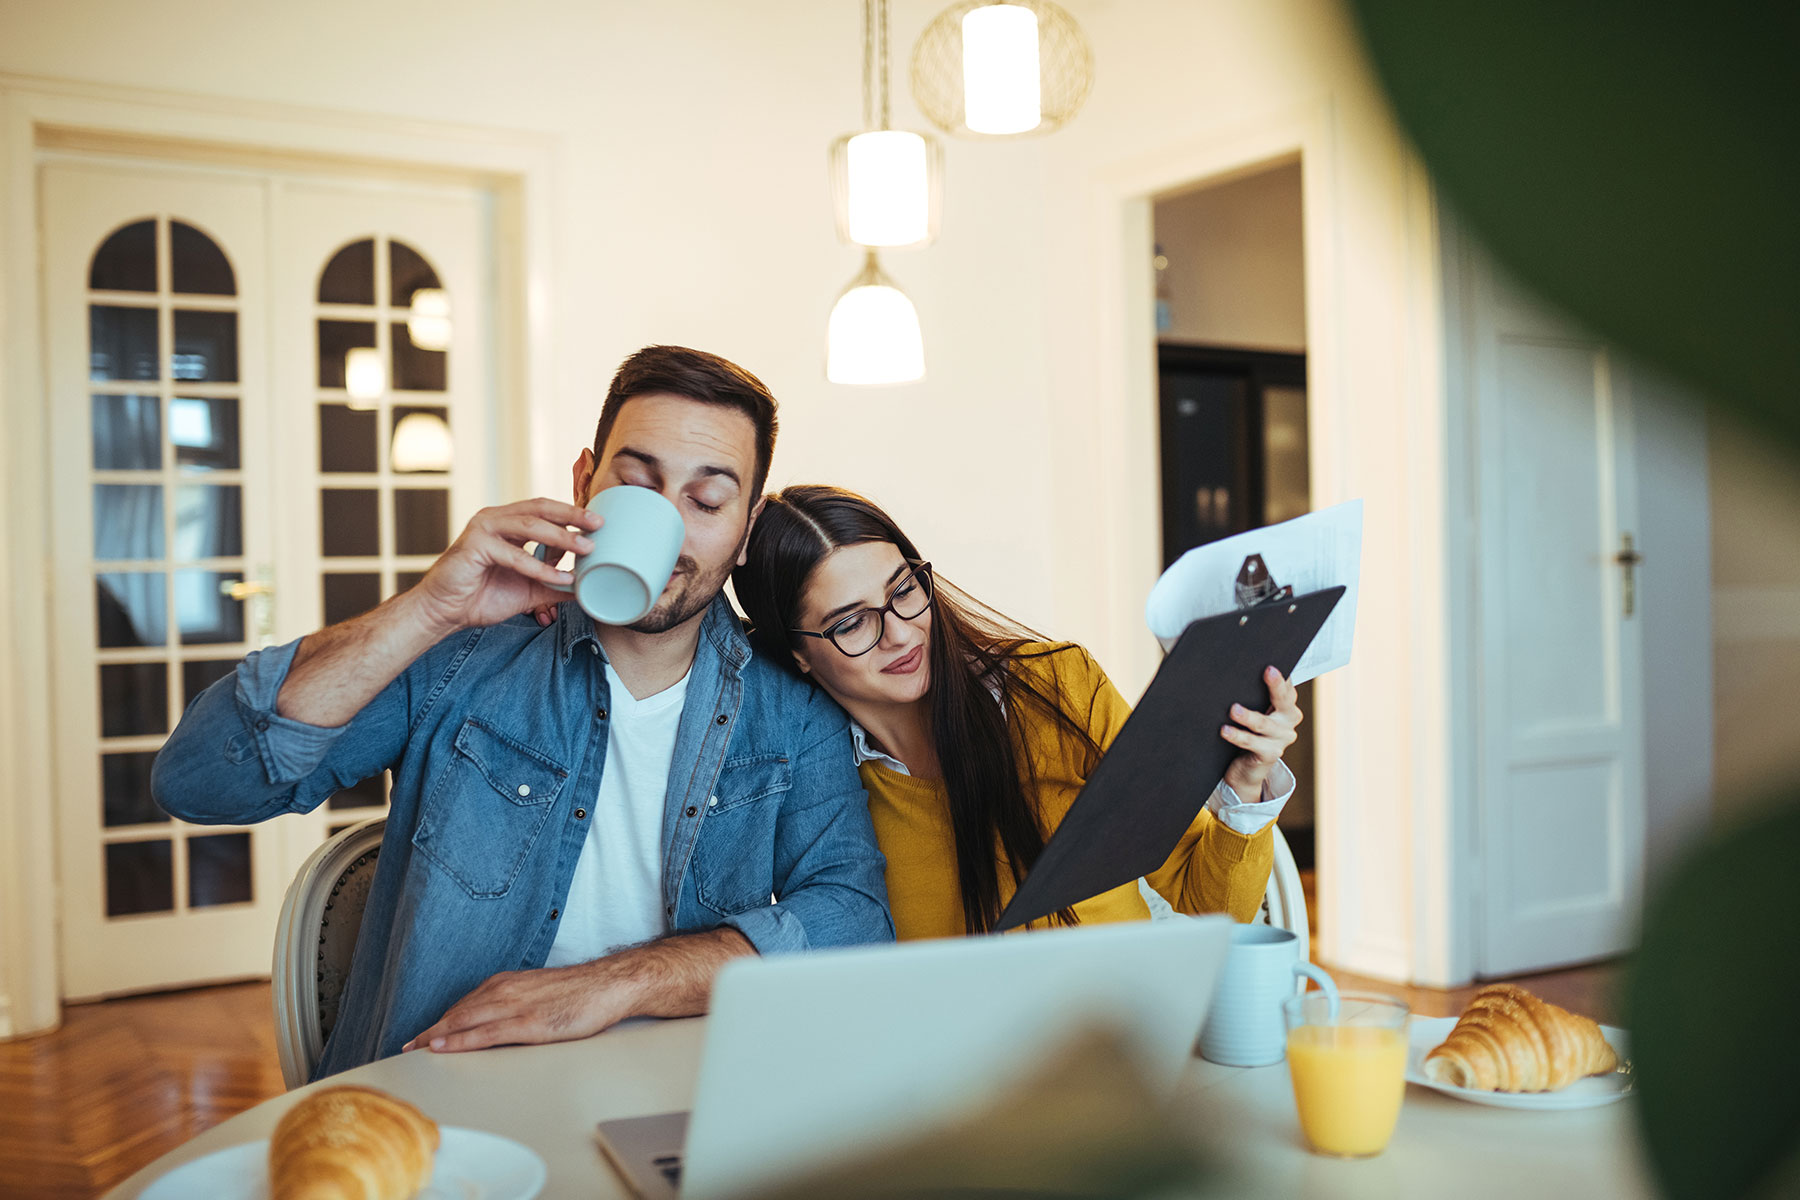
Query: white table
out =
(550, 1097)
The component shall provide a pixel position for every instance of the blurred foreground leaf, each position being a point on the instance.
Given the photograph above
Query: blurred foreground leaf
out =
(1711, 1003)
(1638, 164)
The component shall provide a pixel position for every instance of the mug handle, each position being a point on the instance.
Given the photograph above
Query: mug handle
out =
(555, 587)
(1326, 985)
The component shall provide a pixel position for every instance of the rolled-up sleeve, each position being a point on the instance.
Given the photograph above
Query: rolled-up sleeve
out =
(234, 759)
(830, 876)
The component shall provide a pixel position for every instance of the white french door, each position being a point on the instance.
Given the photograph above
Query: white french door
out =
(216, 487)
(386, 288)
(1562, 808)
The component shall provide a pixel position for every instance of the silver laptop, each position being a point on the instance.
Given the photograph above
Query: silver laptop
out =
(814, 1059)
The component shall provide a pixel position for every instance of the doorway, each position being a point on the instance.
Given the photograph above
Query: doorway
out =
(268, 397)
(1230, 319)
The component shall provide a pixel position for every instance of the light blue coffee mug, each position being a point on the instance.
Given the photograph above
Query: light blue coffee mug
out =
(635, 551)
(1244, 1027)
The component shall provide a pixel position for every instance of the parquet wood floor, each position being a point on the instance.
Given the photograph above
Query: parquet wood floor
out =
(125, 1081)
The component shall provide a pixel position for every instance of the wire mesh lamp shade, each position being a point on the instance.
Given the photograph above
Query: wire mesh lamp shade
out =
(971, 73)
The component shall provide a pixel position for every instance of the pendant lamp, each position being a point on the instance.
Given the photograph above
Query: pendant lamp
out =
(874, 334)
(421, 443)
(428, 324)
(885, 182)
(365, 376)
(1015, 68)
(885, 186)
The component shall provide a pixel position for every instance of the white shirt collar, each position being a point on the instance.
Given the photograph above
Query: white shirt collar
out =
(863, 752)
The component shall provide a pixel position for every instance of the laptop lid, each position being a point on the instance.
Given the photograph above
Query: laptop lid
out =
(819, 1058)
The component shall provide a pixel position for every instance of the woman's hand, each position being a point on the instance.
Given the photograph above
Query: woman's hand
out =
(1262, 737)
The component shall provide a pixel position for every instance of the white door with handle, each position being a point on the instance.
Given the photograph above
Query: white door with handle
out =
(155, 292)
(1562, 812)
(216, 487)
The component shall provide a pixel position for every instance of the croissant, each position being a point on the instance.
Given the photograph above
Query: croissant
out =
(351, 1143)
(1508, 1040)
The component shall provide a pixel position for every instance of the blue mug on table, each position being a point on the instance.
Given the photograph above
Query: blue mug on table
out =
(1244, 1025)
(635, 551)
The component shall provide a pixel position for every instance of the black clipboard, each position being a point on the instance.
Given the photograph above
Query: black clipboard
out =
(1155, 777)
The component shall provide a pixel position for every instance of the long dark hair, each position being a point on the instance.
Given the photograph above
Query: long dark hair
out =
(975, 651)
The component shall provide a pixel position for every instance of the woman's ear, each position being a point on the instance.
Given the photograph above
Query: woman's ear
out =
(800, 661)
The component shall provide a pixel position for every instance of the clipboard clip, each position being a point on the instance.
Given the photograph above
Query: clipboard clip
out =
(1256, 588)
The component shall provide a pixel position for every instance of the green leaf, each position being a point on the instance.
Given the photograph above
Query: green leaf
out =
(1710, 1001)
(1636, 164)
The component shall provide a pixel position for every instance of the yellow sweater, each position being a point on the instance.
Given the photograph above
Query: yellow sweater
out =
(1213, 868)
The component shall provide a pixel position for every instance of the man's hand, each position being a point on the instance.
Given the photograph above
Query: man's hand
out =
(667, 978)
(486, 576)
(483, 579)
(556, 1004)
(1263, 737)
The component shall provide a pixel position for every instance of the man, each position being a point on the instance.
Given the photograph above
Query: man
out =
(587, 821)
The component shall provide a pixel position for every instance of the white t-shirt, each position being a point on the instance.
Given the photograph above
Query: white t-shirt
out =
(615, 898)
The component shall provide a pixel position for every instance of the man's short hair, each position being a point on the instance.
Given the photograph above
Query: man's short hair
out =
(693, 375)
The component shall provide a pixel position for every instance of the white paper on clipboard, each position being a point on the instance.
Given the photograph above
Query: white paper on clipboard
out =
(1320, 550)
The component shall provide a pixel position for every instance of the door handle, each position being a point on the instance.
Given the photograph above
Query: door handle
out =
(239, 589)
(1629, 558)
(262, 613)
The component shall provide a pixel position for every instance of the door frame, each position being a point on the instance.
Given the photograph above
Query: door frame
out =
(1395, 890)
(516, 167)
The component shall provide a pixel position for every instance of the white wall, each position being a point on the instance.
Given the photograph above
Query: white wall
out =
(1192, 83)
(1236, 274)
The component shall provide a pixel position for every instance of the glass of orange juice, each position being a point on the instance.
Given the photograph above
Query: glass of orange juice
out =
(1348, 1064)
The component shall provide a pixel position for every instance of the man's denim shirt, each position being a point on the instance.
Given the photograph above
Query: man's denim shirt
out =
(497, 739)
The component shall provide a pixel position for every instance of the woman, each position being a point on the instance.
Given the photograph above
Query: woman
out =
(973, 736)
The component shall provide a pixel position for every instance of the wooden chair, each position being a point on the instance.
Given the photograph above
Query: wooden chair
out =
(314, 940)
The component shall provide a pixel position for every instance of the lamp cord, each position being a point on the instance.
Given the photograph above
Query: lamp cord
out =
(868, 63)
(884, 63)
(875, 63)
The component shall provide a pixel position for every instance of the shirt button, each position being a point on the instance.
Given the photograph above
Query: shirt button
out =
(600, 714)
(723, 719)
(691, 810)
(581, 814)
(262, 724)
(713, 803)
(594, 646)
(524, 789)
(555, 913)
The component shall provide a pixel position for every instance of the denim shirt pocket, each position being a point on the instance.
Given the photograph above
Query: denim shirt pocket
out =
(734, 857)
(485, 810)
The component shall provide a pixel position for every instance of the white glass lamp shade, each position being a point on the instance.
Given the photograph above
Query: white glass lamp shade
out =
(886, 187)
(421, 443)
(365, 376)
(428, 325)
(1002, 93)
(874, 334)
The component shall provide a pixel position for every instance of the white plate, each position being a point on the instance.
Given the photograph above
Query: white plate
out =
(470, 1165)
(1424, 1034)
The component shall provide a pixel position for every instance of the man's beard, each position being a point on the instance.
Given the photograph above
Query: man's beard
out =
(687, 595)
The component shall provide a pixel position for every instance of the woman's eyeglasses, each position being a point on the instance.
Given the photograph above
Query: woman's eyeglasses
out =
(862, 630)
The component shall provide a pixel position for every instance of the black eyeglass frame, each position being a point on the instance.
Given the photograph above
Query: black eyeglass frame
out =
(921, 572)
